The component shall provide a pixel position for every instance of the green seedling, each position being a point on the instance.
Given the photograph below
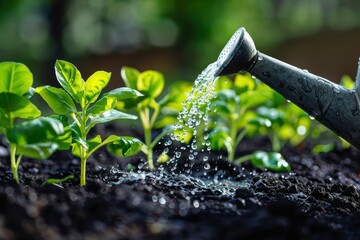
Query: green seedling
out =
(230, 112)
(153, 113)
(32, 138)
(79, 99)
(234, 108)
(57, 181)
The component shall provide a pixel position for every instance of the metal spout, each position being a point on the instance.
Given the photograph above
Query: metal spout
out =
(331, 104)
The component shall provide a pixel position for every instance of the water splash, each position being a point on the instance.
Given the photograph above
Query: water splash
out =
(184, 185)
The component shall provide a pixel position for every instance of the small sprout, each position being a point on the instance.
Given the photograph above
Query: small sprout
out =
(153, 113)
(247, 108)
(231, 112)
(57, 181)
(84, 95)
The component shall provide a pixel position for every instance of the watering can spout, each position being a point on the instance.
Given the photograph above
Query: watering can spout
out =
(331, 104)
(239, 54)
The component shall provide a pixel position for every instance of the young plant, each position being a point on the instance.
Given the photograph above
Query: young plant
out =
(153, 113)
(32, 138)
(233, 108)
(79, 100)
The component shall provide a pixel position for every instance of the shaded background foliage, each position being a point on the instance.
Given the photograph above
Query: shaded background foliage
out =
(178, 38)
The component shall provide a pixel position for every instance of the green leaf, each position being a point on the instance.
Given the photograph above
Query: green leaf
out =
(90, 144)
(123, 93)
(108, 100)
(108, 116)
(166, 119)
(223, 82)
(11, 102)
(103, 105)
(226, 101)
(273, 161)
(151, 82)
(323, 148)
(37, 151)
(95, 84)
(244, 83)
(148, 103)
(130, 76)
(273, 114)
(64, 140)
(347, 82)
(125, 146)
(286, 132)
(220, 106)
(57, 99)
(220, 138)
(252, 99)
(15, 78)
(40, 130)
(4, 121)
(70, 79)
(78, 142)
(17, 106)
(177, 95)
(59, 180)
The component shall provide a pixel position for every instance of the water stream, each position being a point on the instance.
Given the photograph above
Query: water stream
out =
(196, 112)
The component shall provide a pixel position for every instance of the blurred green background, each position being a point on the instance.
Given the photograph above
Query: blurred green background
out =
(179, 38)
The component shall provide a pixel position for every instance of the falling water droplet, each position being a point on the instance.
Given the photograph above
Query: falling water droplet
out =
(311, 117)
(207, 166)
(196, 204)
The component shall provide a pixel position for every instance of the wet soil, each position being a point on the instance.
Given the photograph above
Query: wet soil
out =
(318, 199)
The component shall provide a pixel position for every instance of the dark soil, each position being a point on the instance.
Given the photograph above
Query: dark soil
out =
(318, 199)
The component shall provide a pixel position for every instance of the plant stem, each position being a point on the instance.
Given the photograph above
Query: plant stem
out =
(275, 142)
(83, 151)
(146, 122)
(14, 165)
(233, 132)
(243, 159)
(83, 172)
(147, 133)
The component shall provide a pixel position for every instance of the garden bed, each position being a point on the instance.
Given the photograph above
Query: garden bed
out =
(318, 199)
